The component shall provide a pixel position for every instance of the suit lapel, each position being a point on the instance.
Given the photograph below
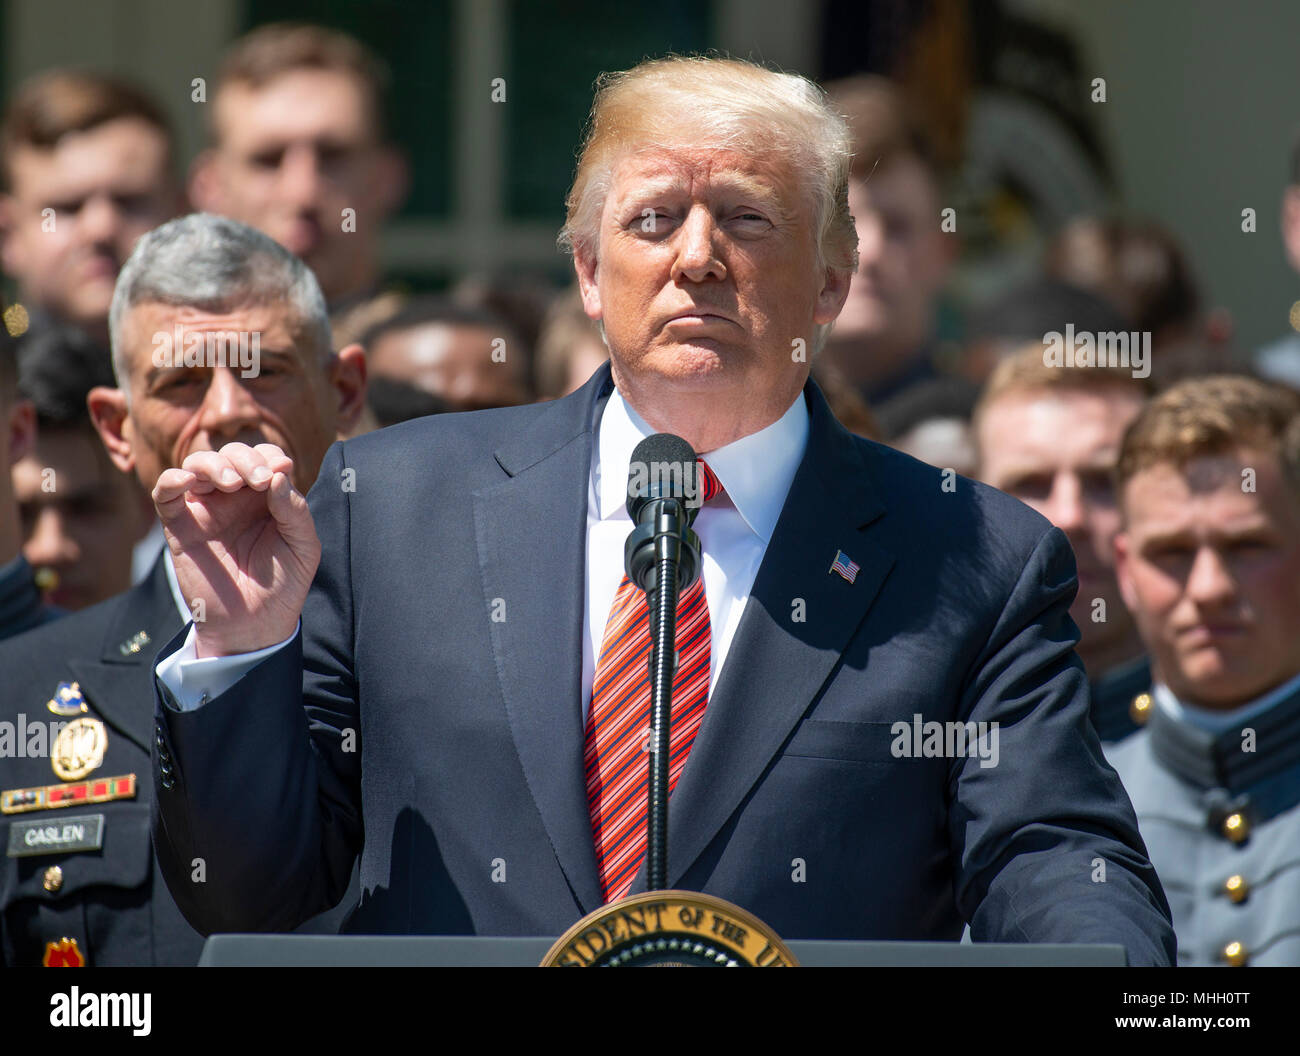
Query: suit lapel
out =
(531, 529)
(117, 684)
(775, 666)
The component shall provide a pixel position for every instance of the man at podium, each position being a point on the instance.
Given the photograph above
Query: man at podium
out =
(880, 725)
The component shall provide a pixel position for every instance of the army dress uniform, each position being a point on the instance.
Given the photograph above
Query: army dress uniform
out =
(1219, 810)
(81, 884)
(80, 881)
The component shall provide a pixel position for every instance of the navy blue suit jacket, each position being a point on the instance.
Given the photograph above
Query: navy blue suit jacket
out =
(443, 646)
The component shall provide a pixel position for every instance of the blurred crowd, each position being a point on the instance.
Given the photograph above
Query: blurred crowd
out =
(297, 149)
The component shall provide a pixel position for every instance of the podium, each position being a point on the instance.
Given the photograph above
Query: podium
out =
(467, 951)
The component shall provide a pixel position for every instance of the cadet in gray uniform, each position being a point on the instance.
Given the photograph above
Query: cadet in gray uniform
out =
(1208, 561)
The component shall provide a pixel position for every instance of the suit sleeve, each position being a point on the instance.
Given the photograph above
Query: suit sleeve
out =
(1047, 840)
(257, 818)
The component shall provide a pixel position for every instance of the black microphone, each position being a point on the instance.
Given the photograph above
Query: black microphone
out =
(662, 557)
(664, 494)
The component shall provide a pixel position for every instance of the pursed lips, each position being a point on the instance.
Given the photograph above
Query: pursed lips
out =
(698, 315)
(1206, 633)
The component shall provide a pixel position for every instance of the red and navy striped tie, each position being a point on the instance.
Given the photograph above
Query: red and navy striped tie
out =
(618, 722)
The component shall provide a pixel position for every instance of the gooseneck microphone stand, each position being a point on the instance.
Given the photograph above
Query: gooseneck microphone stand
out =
(662, 557)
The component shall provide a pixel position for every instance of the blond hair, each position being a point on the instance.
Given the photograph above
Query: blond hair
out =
(58, 103)
(1215, 415)
(272, 50)
(728, 102)
(1024, 371)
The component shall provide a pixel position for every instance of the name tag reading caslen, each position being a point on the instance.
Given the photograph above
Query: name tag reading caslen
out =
(82, 832)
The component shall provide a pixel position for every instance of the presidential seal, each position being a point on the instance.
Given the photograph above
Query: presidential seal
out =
(79, 748)
(669, 929)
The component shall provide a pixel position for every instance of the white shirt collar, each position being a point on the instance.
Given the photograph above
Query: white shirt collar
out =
(756, 470)
(1218, 721)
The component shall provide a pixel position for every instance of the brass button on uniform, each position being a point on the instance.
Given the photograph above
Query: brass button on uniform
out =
(1235, 954)
(1236, 827)
(1140, 710)
(53, 879)
(1236, 888)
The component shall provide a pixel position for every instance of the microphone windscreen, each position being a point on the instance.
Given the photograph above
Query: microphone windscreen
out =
(662, 466)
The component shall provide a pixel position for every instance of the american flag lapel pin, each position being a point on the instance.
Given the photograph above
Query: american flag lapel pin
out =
(845, 566)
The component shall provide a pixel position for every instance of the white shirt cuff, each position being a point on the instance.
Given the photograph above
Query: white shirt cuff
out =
(194, 681)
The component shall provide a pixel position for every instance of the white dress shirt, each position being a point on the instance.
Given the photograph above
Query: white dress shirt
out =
(734, 529)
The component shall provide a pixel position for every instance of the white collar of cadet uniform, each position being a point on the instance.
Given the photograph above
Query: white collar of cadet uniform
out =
(756, 470)
(1218, 721)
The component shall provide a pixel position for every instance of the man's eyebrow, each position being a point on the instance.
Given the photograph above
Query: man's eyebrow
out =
(156, 371)
(651, 187)
(737, 183)
(1020, 477)
(1168, 537)
(90, 490)
(1262, 529)
(1101, 464)
(282, 355)
(1019, 470)
(277, 356)
(1254, 529)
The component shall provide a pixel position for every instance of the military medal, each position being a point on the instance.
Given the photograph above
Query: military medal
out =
(134, 644)
(72, 794)
(63, 954)
(67, 700)
(79, 748)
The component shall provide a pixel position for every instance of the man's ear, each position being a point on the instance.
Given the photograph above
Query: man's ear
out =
(833, 294)
(204, 188)
(1122, 546)
(107, 408)
(22, 430)
(348, 379)
(392, 181)
(585, 264)
(946, 254)
(1291, 225)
